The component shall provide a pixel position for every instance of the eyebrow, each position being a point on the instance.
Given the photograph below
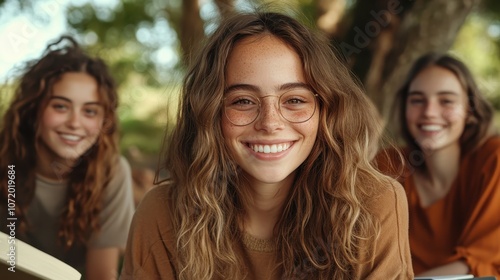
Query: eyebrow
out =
(70, 101)
(253, 88)
(445, 92)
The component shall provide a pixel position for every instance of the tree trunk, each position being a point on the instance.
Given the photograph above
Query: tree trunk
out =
(224, 6)
(386, 36)
(191, 29)
(429, 26)
(330, 14)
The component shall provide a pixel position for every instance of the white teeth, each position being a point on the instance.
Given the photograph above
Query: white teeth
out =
(70, 137)
(267, 149)
(431, 127)
(270, 149)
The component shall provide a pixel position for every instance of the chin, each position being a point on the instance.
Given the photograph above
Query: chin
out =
(271, 178)
(68, 156)
(271, 181)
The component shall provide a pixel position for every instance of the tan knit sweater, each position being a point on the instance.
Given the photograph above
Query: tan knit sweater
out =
(151, 250)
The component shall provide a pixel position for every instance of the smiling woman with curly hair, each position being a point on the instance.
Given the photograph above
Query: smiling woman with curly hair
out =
(73, 191)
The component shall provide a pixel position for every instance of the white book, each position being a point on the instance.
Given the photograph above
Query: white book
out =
(21, 261)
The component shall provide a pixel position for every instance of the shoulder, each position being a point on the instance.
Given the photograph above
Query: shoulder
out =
(117, 208)
(152, 222)
(491, 146)
(120, 181)
(121, 176)
(389, 201)
(157, 196)
(154, 209)
(488, 152)
(122, 167)
(391, 253)
(151, 249)
(117, 202)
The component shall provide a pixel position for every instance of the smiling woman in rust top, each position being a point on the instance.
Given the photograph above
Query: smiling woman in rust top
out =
(452, 176)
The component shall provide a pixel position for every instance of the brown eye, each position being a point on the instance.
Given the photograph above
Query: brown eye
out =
(416, 101)
(92, 111)
(59, 107)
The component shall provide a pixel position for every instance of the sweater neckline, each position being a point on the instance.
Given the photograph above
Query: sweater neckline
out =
(257, 244)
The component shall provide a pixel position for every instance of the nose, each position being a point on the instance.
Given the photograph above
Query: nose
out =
(269, 118)
(73, 120)
(431, 108)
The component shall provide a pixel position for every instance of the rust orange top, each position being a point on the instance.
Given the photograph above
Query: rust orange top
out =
(465, 223)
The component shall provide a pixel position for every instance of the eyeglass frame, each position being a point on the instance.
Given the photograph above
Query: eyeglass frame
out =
(315, 95)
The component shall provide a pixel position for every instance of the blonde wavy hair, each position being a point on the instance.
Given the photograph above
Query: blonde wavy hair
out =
(19, 137)
(325, 230)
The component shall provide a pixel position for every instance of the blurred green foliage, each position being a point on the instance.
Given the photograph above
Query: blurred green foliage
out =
(477, 45)
(123, 35)
(145, 112)
(143, 135)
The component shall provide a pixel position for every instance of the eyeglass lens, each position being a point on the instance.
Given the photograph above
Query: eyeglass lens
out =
(296, 106)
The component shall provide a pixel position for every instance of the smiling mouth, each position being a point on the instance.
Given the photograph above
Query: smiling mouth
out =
(431, 127)
(70, 137)
(270, 149)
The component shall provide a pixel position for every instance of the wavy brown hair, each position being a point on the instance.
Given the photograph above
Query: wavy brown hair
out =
(19, 136)
(325, 230)
(479, 120)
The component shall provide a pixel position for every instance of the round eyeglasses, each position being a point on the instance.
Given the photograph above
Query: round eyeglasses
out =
(243, 108)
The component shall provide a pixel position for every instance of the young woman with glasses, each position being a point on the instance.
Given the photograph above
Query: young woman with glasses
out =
(270, 174)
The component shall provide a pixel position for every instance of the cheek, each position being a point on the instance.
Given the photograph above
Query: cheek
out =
(456, 115)
(94, 126)
(412, 119)
(52, 119)
(310, 129)
(313, 129)
(228, 130)
(411, 115)
(230, 134)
